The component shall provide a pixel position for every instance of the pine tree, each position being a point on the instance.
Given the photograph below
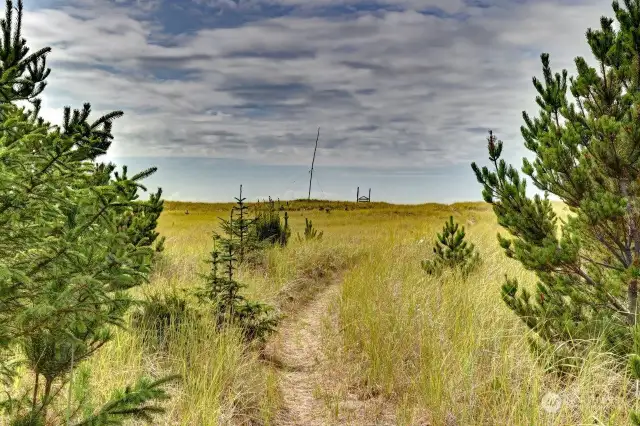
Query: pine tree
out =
(65, 266)
(452, 251)
(23, 74)
(285, 231)
(310, 233)
(241, 228)
(231, 307)
(225, 290)
(142, 220)
(587, 153)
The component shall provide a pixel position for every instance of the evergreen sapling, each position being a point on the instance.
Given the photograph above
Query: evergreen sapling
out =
(452, 251)
(231, 307)
(269, 229)
(243, 226)
(310, 233)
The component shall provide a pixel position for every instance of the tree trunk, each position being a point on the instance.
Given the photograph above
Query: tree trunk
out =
(632, 298)
(633, 255)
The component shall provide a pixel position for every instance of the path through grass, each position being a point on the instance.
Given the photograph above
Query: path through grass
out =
(386, 345)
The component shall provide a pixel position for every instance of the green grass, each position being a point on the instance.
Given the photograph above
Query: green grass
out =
(423, 347)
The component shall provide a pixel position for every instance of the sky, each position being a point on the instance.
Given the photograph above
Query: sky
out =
(218, 93)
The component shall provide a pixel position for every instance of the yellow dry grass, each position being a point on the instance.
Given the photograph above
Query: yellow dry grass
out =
(396, 343)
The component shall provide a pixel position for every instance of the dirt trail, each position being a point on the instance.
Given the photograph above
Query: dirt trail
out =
(297, 351)
(307, 376)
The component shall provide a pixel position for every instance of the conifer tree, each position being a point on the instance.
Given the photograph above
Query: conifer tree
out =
(310, 233)
(65, 266)
(451, 250)
(141, 220)
(241, 228)
(587, 153)
(285, 231)
(256, 319)
(226, 291)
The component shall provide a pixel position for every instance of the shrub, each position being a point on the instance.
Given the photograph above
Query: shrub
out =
(310, 233)
(451, 251)
(269, 228)
(159, 314)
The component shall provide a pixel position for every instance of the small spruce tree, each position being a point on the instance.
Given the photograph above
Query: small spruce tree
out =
(285, 232)
(451, 251)
(310, 233)
(257, 320)
(241, 228)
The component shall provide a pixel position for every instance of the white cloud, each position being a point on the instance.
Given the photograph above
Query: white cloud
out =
(389, 89)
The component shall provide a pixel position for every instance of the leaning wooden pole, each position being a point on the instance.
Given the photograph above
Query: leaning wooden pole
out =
(313, 161)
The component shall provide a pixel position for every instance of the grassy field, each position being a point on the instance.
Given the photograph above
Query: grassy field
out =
(399, 347)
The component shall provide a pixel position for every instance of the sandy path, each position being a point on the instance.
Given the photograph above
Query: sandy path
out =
(315, 390)
(297, 350)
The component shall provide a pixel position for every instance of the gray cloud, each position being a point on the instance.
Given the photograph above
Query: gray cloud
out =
(275, 54)
(389, 89)
(255, 90)
(176, 61)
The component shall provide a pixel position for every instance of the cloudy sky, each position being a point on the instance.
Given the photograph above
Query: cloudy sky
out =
(222, 92)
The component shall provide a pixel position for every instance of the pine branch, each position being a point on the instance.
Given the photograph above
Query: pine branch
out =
(132, 402)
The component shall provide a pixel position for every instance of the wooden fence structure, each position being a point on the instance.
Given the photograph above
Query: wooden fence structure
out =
(364, 198)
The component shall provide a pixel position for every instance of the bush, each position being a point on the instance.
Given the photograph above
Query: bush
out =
(159, 314)
(269, 229)
(451, 251)
(310, 233)
(258, 320)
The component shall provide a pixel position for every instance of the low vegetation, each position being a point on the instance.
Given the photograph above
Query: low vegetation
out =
(268, 227)
(107, 299)
(310, 233)
(451, 251)
(230, 306)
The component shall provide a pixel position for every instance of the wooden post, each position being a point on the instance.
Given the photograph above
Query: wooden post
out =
(358, 195)
(369, 194)
(313, 161)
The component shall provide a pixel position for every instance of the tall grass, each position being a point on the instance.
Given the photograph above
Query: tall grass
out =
(449, 347)
(432, 349)
(224, 382)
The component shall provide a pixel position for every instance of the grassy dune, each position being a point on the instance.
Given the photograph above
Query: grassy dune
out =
(422, 350)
